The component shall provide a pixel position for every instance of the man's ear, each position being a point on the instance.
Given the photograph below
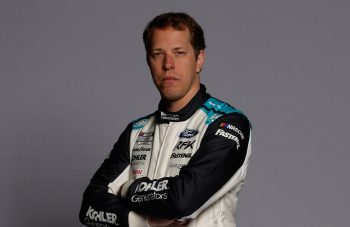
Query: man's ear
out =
(200, 61)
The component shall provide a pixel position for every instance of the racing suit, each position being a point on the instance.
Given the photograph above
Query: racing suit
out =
(187, 165)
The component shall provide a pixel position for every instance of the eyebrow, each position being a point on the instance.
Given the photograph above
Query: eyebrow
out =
(179, 48)
(157, 49)
(176, 48)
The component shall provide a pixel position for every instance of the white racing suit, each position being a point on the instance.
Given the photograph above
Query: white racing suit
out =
(187, 165)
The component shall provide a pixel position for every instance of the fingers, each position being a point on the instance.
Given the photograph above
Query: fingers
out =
(153, 222)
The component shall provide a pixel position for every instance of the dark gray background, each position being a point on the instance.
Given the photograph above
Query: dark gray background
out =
(73, 74)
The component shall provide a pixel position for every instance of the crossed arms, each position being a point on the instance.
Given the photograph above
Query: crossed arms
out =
(210, 173)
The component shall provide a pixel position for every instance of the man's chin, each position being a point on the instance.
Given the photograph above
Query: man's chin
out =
(170, 97)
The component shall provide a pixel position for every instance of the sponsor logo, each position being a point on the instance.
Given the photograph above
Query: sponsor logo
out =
(169, 117)
(137, 171)
(188, 133)
(101, 216)
(95, 224)
(154, 186)
(174, 165)
(138, 157)
(149, 197)
(211, 103)
(145, 137)
(146, 133)
(183, 145)
(139, 149)
(139, 124)
(138, 163)
(233, 128)
(143, 143)
(227, 135)
(181, 155)
(214, 117)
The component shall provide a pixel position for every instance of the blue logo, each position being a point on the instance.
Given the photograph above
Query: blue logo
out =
(188, 133)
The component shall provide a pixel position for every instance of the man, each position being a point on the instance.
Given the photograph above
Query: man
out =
(184, 164)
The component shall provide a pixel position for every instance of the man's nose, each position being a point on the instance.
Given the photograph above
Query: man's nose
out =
(168, 63)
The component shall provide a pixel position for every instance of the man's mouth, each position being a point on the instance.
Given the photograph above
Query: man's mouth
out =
(169, 78)
(168, 81)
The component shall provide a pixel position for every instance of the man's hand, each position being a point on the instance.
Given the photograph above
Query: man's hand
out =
(155, 222)
(158, 222)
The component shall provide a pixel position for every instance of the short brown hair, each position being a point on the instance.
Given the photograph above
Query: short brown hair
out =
(179, 21)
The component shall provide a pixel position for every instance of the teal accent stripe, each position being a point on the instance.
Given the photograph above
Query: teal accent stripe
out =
(211, 116)
(217, 105)
(215, 109)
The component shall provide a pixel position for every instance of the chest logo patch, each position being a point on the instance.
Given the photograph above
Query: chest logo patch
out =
(183, 145)
(188, 133)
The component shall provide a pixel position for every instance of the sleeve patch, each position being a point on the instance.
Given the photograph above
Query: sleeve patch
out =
(229, 136)
(233, 128)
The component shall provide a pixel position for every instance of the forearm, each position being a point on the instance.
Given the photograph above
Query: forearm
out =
(101, 205)
(216, 168)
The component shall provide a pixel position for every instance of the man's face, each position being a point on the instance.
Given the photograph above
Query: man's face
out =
(173, 64)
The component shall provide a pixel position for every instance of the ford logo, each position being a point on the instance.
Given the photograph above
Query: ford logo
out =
(188, 133)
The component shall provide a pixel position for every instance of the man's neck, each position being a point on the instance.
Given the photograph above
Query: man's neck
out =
(177, 105)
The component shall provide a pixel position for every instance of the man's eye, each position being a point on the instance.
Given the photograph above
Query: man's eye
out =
(179, 52)
(157, 55)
